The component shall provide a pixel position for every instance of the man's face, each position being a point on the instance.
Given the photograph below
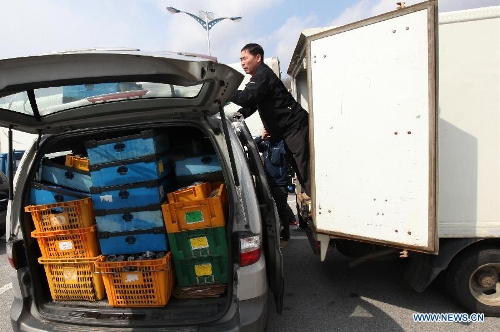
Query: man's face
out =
(249, 62)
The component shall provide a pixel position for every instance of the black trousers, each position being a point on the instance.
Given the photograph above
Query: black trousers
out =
(297, 146)
(280, 195)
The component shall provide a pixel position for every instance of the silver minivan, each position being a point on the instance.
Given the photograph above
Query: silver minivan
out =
(67, 100)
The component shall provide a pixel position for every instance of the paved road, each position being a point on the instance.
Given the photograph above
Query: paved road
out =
(330, 296)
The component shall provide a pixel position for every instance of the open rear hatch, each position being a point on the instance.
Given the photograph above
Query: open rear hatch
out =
(139, 263)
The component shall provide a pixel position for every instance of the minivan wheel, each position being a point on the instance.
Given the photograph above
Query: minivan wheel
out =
(473, 278)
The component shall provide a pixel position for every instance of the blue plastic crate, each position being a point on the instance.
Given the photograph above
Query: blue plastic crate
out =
(130, 171)
(64, 176)
(132, 195)
(42, 194)
(129, 219)
(205, 168)
(197, 165)
(147, 142)
(134, 242)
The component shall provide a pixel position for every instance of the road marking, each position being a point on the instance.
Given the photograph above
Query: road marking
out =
(5, 288)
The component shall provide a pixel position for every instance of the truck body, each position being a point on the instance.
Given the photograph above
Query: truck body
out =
(405, 145)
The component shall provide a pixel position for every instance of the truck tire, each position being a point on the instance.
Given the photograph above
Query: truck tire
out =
(473, 279)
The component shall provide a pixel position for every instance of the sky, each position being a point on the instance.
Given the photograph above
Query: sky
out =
(29, 27)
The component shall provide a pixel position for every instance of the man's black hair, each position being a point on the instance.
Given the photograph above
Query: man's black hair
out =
(254, 49)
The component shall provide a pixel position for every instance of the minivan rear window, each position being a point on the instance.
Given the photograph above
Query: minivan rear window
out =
(55, 99)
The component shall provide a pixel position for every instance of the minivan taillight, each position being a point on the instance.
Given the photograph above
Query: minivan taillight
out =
(16, 254)
(250, 249)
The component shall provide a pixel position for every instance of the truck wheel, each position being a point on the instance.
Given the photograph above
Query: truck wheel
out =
(473, 278)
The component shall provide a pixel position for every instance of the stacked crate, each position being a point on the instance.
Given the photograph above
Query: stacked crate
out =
(137, 283)
(59, 172)
(203, 168)
(48, 193)
(65, 229)
(65, 233)
(195, 221)
(63, 178)
(130, 176)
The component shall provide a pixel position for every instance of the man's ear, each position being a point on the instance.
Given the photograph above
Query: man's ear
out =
(259, 58)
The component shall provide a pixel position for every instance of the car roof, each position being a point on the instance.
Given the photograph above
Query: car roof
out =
(74, 90)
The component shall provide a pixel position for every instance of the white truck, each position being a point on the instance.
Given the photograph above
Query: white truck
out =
(405, 144)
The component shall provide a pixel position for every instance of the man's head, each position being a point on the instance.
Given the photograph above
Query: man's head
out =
(251, 57)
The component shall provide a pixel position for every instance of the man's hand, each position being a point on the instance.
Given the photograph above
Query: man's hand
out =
(237, 115)
(264, 134)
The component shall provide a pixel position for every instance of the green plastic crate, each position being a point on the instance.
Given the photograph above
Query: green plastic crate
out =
(201, 271)
(198, 243)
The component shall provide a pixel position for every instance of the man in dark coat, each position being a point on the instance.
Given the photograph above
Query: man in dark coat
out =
(280, 113)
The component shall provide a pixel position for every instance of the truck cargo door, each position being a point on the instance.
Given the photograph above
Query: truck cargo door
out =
(373, 104)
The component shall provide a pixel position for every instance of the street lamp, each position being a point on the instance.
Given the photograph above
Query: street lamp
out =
(206, 20)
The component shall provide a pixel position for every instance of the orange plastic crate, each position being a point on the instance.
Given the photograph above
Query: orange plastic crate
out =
(62, 216)
(141, 283)
(73, 243)
(193, 192)
(73, 279)
(197, 214)
(77, 162)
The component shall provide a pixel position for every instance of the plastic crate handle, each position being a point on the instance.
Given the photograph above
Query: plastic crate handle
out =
(130, 268)
(123, 194)
(206, 159)
(130, 239)
(69, 175)
(119, 147)
(127, 217)
(122, 170)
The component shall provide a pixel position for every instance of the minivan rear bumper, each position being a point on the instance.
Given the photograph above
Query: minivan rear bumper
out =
(249, 315)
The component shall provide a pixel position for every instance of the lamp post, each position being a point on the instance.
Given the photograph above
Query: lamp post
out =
(206, 20)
